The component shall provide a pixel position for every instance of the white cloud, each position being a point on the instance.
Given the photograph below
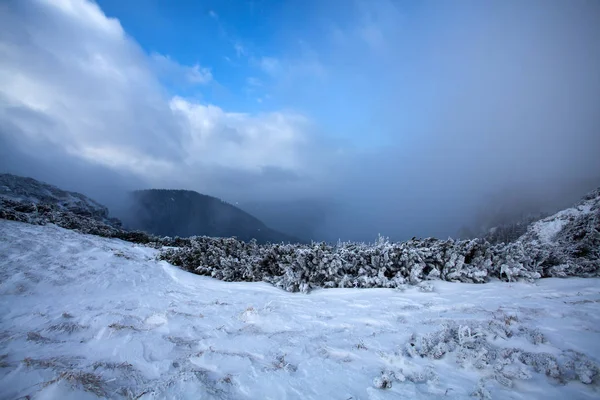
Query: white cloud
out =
(240, 50)
(240, 140)
(270, 65)
(121, 158)
(173, 71)
(88, 12)
(253, 81)
(197, 74)
(289, 69)
(83, 74)
(79, 82)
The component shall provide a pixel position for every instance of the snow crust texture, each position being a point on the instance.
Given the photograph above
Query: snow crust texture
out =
(90, 317)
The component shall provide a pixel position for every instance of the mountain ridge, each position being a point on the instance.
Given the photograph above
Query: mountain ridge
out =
(161, 212)
(185, 213)
(29, 190)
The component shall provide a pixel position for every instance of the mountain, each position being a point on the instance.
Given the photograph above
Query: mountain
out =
(574, 230)
(187, 213)
(30, 191)
(505, 215)
(161, 212)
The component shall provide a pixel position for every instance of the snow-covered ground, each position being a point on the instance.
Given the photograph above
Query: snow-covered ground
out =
(82, 316)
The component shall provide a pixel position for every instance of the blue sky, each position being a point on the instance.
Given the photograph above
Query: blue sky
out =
(367, 73)
(406, 114)
(192, 32)
(271, 55)
(230, 37)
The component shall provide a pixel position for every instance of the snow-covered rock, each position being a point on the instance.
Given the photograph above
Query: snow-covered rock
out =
(30, 191)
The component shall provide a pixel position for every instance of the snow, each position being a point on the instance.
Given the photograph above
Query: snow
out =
(547, 228)
(83, 316)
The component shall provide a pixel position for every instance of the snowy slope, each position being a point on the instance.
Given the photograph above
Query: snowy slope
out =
(83, 316)
(546, 229)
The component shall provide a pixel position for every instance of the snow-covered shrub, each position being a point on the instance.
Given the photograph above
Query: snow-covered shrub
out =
(580, 241)
(574, 250)
(42, 214)
(481, 392)
(581, 367)
(357, 265)
(473, 344)
(385, 380)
